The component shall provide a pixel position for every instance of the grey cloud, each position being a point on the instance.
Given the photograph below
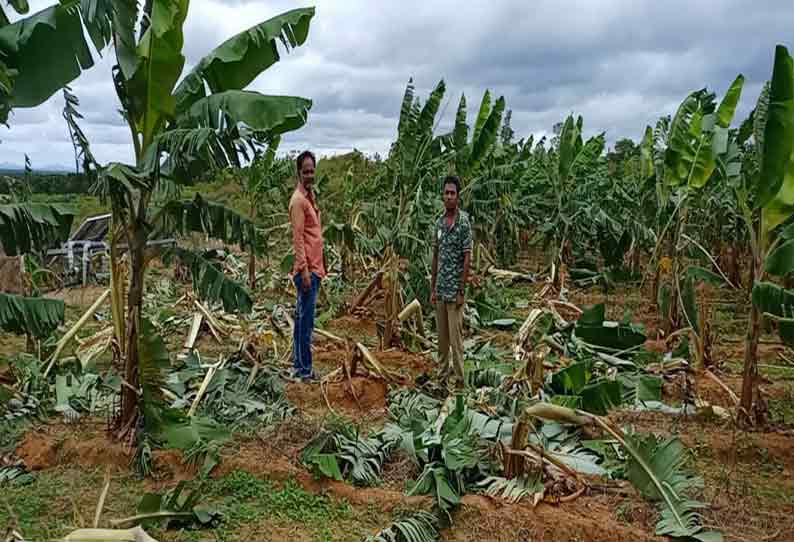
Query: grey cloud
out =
(619, 63)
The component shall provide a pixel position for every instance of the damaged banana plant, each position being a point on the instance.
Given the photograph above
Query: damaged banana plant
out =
(179, 131)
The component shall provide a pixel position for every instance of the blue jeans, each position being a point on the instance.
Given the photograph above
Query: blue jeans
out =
(304, 325)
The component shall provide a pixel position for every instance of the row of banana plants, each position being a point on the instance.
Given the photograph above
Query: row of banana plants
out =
(696, 198)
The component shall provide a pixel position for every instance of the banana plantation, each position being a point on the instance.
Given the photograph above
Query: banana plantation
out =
(628, 325)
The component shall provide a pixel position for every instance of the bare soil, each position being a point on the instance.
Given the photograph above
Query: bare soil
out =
(748, 476)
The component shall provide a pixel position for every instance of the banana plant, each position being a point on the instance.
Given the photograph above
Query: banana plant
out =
(697, 137)
(177, 131)
(564, 170)
(766, 201)
(490, 165)
(265, 174)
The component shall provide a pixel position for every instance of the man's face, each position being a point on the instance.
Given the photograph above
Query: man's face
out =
(450, 196)
(306, 173)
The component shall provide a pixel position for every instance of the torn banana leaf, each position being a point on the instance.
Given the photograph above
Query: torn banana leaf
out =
(36, 316)
(28, 227)
(210, 284)
(213, 219)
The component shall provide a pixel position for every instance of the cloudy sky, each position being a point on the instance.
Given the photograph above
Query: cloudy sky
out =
(619, 63)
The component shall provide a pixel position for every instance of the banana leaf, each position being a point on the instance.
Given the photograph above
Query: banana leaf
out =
(48, 50)
(419, 527)
(781, 261)
(601, 396)
(213, 219)
(776, 301)
(699, 273)
(210, 284)
(593, 329)
(28, 227)
(235, 63)
(35, 316)
(775, 181)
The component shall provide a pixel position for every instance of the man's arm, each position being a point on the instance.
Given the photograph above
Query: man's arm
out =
(464, 279)
(297, 219)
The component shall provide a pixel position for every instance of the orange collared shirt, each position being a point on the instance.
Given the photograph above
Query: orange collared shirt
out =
(307, 232)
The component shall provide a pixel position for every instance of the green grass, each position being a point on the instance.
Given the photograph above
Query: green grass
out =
(250, 504)
(63, 499)
(245, 497)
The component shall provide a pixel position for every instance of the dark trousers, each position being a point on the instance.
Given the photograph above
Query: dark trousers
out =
(304, 325)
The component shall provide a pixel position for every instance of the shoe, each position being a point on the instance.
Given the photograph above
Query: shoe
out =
(310, 378)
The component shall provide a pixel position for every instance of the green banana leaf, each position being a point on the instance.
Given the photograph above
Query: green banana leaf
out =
(593, 329)
(487, 135)
(567, 152)
(235, 63)
(268, 114)
(48, 50)
(698, 135)
(781, 261)
(697, 273)
(159, 66)
(35, 316)
(27, 227)
(776, 181)
(213, 219)
(482, 115)
(210, 284)
(776, 301)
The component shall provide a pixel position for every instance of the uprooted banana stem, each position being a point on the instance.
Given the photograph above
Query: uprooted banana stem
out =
(577, 417)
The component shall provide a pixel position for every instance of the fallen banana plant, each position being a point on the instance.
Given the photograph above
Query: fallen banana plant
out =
(654, 469)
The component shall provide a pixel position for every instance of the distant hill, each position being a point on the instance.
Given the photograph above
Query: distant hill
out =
(7, 168)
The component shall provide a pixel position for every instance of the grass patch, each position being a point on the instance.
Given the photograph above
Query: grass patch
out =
(63, 499)
(243, 498)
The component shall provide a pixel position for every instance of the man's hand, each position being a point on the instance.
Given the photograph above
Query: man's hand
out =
(460, 299)
(306, 280)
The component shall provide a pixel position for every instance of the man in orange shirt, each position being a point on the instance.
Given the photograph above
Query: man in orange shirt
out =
(309, 267)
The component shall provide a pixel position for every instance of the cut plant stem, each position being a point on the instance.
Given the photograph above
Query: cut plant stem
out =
(75, 328)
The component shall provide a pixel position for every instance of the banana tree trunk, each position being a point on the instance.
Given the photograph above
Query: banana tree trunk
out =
(635, 259)
(734, 273)
(252, 255)
(117, 282)
(673, 316)
(750, 405)
(129, 396)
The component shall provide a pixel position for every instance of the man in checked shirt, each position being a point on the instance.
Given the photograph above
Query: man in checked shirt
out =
(452, 241)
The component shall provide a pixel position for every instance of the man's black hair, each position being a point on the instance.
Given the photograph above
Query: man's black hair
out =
(303, 156)
(451, 179)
